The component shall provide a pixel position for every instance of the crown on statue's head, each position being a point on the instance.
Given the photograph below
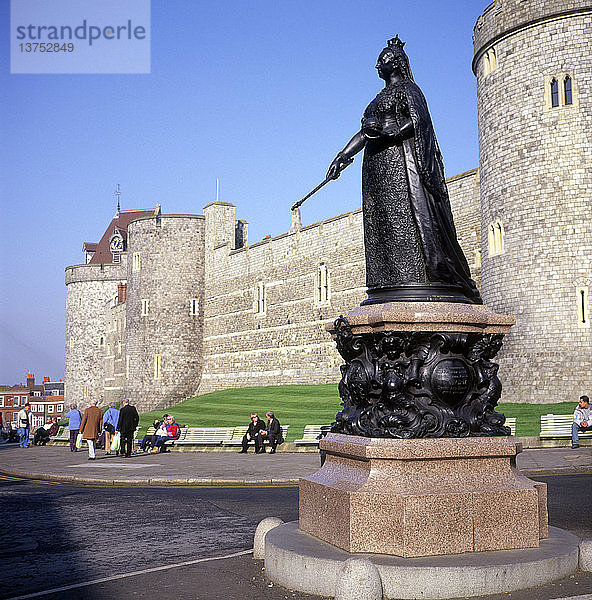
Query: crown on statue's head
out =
(395, 43)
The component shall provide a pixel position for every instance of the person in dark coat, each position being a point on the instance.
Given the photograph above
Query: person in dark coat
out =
(256, 426)
(126, 425)
(273, 432)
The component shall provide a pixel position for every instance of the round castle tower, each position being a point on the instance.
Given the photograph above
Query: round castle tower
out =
(88, 288)
(533, 63)
(164, 313)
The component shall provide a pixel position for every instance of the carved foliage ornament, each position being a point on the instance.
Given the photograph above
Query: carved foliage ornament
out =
(417, 385)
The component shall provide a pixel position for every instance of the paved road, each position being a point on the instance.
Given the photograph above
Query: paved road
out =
(55, 462)
(60, 534)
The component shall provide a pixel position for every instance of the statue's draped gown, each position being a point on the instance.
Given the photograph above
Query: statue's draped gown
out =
(409, 231)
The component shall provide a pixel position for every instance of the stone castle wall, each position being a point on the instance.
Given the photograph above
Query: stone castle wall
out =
(164, 336)
(264, 316)
(114, 350)
(536, 179)
(463, 190)
(287, 343)
(88, 287)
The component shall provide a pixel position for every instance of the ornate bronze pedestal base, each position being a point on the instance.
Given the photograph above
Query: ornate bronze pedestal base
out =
(420, 369)
(423, 497)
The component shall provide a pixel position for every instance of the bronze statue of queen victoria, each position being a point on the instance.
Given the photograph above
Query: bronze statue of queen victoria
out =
(412, 383)
(412, 252)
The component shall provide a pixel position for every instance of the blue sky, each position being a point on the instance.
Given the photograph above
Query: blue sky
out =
(258, 94)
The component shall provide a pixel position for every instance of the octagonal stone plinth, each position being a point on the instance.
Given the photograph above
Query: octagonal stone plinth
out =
(422, 497)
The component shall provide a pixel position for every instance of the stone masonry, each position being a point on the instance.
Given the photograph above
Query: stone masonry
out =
(536, 182)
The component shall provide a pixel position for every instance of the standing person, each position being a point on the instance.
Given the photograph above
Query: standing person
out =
(273, 432)
(582, 420)
(126, 425)
(23, 422)
(256, 426)
(74, 419)
(110, 419)
(91, 427)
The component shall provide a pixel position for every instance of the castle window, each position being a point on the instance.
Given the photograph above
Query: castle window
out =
(495, 238)
(489, 61)
(260, 304)
(85, 392)
(582, 306)
(554, 93)
(322, 285)
(116, 257)
(101, 342)
(493, 59)
(136, 261)
(145, 307)
(567, 89)
(193, 306)
(157, 366)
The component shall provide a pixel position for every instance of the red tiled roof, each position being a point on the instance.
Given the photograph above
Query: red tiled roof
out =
(102, 253)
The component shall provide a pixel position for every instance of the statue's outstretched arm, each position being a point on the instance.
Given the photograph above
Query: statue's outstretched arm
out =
(346, 156)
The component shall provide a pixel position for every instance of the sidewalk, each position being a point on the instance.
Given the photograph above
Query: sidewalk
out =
(57, 463)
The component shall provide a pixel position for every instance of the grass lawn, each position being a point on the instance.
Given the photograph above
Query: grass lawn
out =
(300, 405)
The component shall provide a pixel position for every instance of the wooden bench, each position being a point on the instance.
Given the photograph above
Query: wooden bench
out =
(63, 435)
(236, 439)
(559, 426)
(310, 436)
(206, 436)
(511, 423)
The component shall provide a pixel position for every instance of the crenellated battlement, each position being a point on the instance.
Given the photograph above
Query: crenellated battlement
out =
(504, 17)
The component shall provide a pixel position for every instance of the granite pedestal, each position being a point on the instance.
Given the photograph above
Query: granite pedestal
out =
(423, 497)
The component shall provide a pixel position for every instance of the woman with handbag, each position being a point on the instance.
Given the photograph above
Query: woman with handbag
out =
(110, 419)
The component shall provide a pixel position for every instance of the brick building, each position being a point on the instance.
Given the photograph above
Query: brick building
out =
(46, 400)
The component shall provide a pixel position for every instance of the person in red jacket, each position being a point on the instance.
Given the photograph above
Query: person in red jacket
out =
(173, 433)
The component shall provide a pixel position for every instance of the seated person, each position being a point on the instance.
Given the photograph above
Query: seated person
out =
(150, 439)
(172, 433)
(256, 426)
(44, 432)
(5, 433)
(273, 432)
(582, 420)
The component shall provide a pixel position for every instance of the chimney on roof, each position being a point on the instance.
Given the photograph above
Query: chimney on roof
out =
(121, 292)
(30, 380)
(46, 380)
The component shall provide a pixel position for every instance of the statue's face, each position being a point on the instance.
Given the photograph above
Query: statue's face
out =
(385, 64)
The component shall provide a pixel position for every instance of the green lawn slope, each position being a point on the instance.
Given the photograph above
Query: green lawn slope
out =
(300, 405)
